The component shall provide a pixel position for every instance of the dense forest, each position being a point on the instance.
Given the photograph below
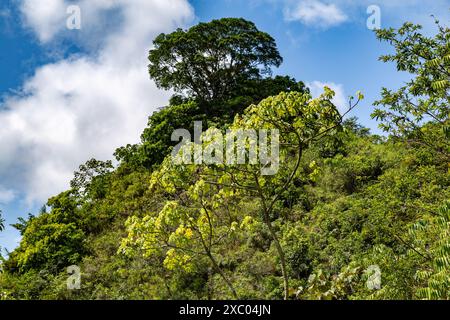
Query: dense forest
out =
(345, 208)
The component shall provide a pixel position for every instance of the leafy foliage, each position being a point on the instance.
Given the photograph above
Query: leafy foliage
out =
(210, 59)
(340, 202)
(426, 96)
(156, 141)
(90, 178)
(436, 274)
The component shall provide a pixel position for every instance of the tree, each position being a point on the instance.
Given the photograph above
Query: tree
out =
(88, 178)
(51, 240)
(426, 96)
(201, 195)
(194, 222)
(217, 69)
(300, 121)
(23, 223)
(250, 92)
(50, 245)
(211, 59)
(156, 140)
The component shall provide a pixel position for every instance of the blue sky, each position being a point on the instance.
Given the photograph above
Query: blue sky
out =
(70, 95)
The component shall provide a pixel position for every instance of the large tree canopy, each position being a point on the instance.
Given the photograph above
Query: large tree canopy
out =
(210, 59)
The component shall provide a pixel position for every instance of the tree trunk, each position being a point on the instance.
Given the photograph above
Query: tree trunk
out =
(281, 256)
(216, 266)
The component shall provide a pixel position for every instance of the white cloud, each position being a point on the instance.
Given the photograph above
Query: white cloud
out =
(340, 100)
(315, 13)
(328, 13)
(46, 17)
(395, 12)
(83, 106)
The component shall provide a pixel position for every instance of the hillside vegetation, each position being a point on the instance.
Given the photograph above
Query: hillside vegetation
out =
(343, 205)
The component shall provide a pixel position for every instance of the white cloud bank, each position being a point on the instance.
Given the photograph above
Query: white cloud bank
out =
(83, 106)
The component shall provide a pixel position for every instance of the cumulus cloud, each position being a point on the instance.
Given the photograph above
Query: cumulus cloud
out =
(315, 13)
(340, 99)
(82, 106)
(45, 17)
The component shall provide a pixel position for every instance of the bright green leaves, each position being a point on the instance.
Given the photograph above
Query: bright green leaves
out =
(359, 95)
(435, 276)
(315, 171)
(247, 223)
(160, 234)
(51, 245)
(169, 216)
(300, 120)
(200, 211)
(187, 227)
(178, 261)
(171, 177)
(440, 85)
(294, 114)
(426, 97)
(52, 239)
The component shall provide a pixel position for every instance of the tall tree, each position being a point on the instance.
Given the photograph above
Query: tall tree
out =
(426, 97)
(203, 194)
(300, 120)
(210, 60)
